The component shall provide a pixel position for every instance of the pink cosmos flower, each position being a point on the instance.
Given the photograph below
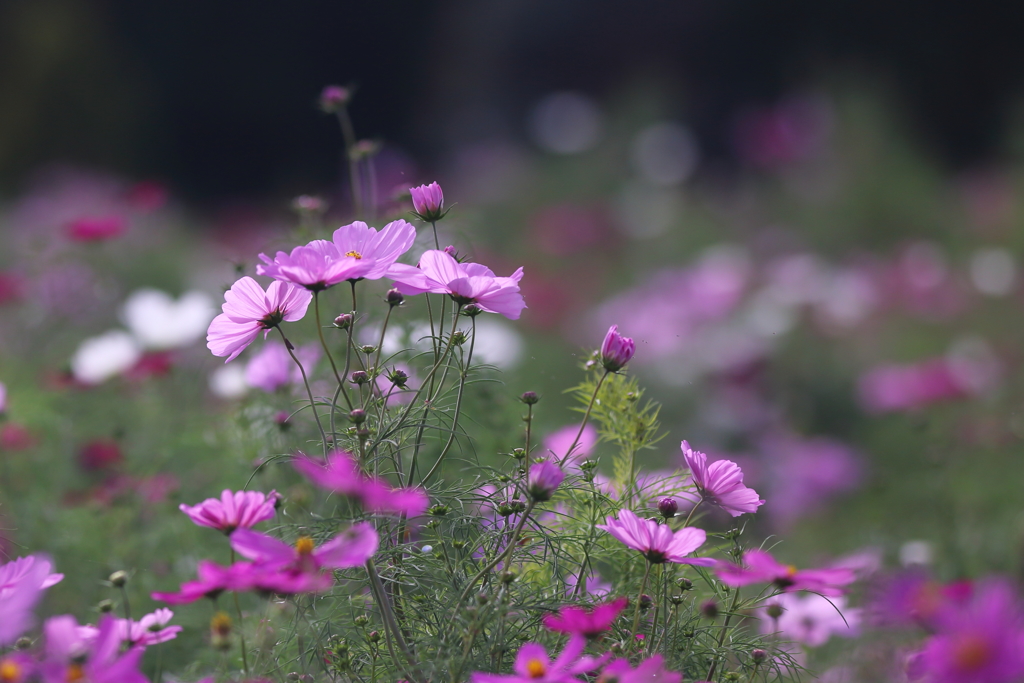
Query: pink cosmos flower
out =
(558, 443)
(213, 580)
(721, 483)
(151, 629)
(249, 310)
(650, 670)
(616, 350)
(273, 368)
(315, 266)
(428, 201)
(241, 509)
(439, 273)
(656, 541)
(543, 480)
(71, 657)
(761, 567)
(286, 569)
(96, 229)
(3, 397)
(17, 667)
(22, 582)
(980, 640)
(899, 388)
(341, 474)
(360, 241)
(811, 619)
(533, 665)
(583, 622)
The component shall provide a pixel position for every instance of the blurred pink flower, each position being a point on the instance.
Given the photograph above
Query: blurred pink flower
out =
(811, 619)
(96, 229)
(721, 483)
(894, 388)
(466, 283)
(761, 567)
(584, 622)
(558, 443)
(795, 129)
(544, 478)
(656, 541)
(804, 473)
(213, 580)
(22, 582)
(273, 367)
(315, 266)
(234, 510)
(72, 657)
(341, 474)
(248, 310)
(360, 241)
(616, 350)
(15, 437)
(533, 665)
(100, 454)
(151, 629)
(650, 670)
(428, 201)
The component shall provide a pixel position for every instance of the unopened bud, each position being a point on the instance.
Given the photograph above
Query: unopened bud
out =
(334, 97)
(508, 577)
(118, 579)
(774, 610)
(23, 643)
(684, 584)
(676, 599)
(668, 507)
(368, 349)
(394, 297)
(709, 609)
(360, 377)
(529, 398)
(105, 606)
(471, 310)
(646, 602)
(518, 453)
(357, 416)
(364, 149)
(361, 620)
(292, 677)
(459, 338)
(398, 377)
(343, 321)
(439, 510)
(482, 598)
(373, 636)
(450, 250)
(732, 676)
(309, 204)
(758, 656)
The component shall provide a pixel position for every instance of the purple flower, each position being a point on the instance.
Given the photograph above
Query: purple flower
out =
(3, 397)
(428, 201)
(811, 619)
(544, 479)
(721, 483)
(315, 266)
(241, 509)
(616, 350)
(273, 368)
(151, 629)
(656, 541)
(533, 665)
(334, 97)
(761, 567)
(213, 580)
(17, 667)
(583, 622)
(558, 443)
(248, 310)
(22, 582)
(360, 241)
(650, 670)
(466, 283)
(341, 474)
(898, 388)
(977, 641)
(72, 657)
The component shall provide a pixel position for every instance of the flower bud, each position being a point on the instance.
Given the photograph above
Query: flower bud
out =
(646, 602)
(544, 479)
(758, 656)
(518, 453)
(529, 398)
(517, 506)
(394, 297)
(373, 636)
(439, 510)
(709, 609)
(334, 97)
(684, 584)
(343, 321)
(308, 204)
(676, 599)
(361, 620)
(105, 606)
(428, 202)
(508, 577)
(668, 507)
(472, 310)
(360, 377)
(363, 149)
(118, 579)
(774, 610)
(616, 350)
(368, 349)
(357, 416)
(292, 677)
(459, 338)
(398, 377)
(482, 599)
(450, 250)
(23, 643)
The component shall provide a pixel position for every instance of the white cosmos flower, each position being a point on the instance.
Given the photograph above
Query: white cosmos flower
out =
(159, 322)
(100, 358)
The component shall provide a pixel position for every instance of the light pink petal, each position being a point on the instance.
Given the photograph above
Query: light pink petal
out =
(351, 548)
(440, 267)
(261, 548)
(245, 299)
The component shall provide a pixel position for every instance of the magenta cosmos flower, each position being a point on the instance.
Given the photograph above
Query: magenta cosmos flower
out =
(533, 665)
(616, 350)
(761, 567)
(341, 474)
(71, 657)
(360, 241)
(428, 201)
(315, 266)
(213, 580)
(721, 483)
(979, 641)
(650, 670)
(543, 480)
(248, 310)
(22, 582)
(234, 510)
(440, 273)
(151, 629)
(811, 619)
(299, 568)
(656, 541)
(583, 622)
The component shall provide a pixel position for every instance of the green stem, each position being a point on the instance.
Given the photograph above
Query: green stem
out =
(388, 614)
(586, 417)
(309, 392)
(500, 558)
(458, 408)
(636, 612)
(241, 631)
(692, 510)
(348, 134)
(725, 630)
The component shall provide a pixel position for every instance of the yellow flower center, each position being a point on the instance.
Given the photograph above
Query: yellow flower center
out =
(75, 673)
(304, 545)
(536, 668)
(354, 254)
(971, 653)
(10, 672)
(220, 624)
(790, 570)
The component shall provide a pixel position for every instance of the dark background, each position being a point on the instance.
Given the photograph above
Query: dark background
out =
(218, 99)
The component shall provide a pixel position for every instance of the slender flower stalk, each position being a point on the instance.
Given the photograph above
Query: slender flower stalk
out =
(586, 418)
(309, 392)
(512, 541)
